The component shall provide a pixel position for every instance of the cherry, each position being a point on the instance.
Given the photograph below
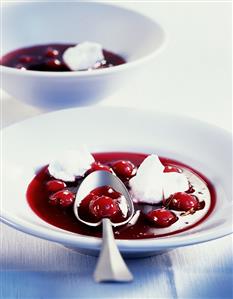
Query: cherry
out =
(161, 217)
(53, 63)
(103, 206)
(55, 185)
(98, 192)
(106, 191)
(51, 52)
(182, 201)
(26, 58)
(169, 168)
(86, 201)
(124, 169)
(64, 198)
(98, 166)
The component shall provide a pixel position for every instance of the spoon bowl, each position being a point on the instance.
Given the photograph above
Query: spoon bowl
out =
(98, 179)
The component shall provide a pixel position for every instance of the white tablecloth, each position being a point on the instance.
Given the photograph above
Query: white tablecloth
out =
(192, 76)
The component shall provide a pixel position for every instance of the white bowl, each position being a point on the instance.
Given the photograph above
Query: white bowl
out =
(33, 143)
(127, 33)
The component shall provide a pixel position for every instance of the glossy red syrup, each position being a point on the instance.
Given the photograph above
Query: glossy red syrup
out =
(48, 58)
(38, 199)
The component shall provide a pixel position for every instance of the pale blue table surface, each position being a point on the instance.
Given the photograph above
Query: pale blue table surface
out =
(37, 269)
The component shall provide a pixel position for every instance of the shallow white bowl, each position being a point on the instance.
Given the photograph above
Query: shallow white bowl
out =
(127, 33)
(32, 143)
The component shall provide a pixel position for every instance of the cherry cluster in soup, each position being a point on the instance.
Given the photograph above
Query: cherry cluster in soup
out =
(53, 200)
(49, 58)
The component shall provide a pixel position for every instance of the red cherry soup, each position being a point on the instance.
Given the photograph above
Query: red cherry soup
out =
(49, 58)
(153, 220)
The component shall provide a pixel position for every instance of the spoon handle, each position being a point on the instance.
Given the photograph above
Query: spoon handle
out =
(110, 265)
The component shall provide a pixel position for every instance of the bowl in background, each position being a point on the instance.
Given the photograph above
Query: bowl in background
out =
(135, 37)
(183, 139)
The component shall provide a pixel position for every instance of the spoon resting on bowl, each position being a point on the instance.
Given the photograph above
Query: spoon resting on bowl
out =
(110, 265)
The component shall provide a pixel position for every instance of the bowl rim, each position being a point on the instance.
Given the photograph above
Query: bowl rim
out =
(106, 71)
(80, 241)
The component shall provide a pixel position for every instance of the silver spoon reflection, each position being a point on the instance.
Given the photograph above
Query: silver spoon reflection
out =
(110, 265)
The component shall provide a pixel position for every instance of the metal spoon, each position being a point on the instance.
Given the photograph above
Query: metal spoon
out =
(110, 265)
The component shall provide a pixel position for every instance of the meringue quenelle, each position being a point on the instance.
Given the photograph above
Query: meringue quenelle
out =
(174, 182)
(151, 184)
(83, 56)
(71, 164)
(147, 184)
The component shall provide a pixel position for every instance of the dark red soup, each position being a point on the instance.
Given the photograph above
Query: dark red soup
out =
(49, 58)
(52, 200)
